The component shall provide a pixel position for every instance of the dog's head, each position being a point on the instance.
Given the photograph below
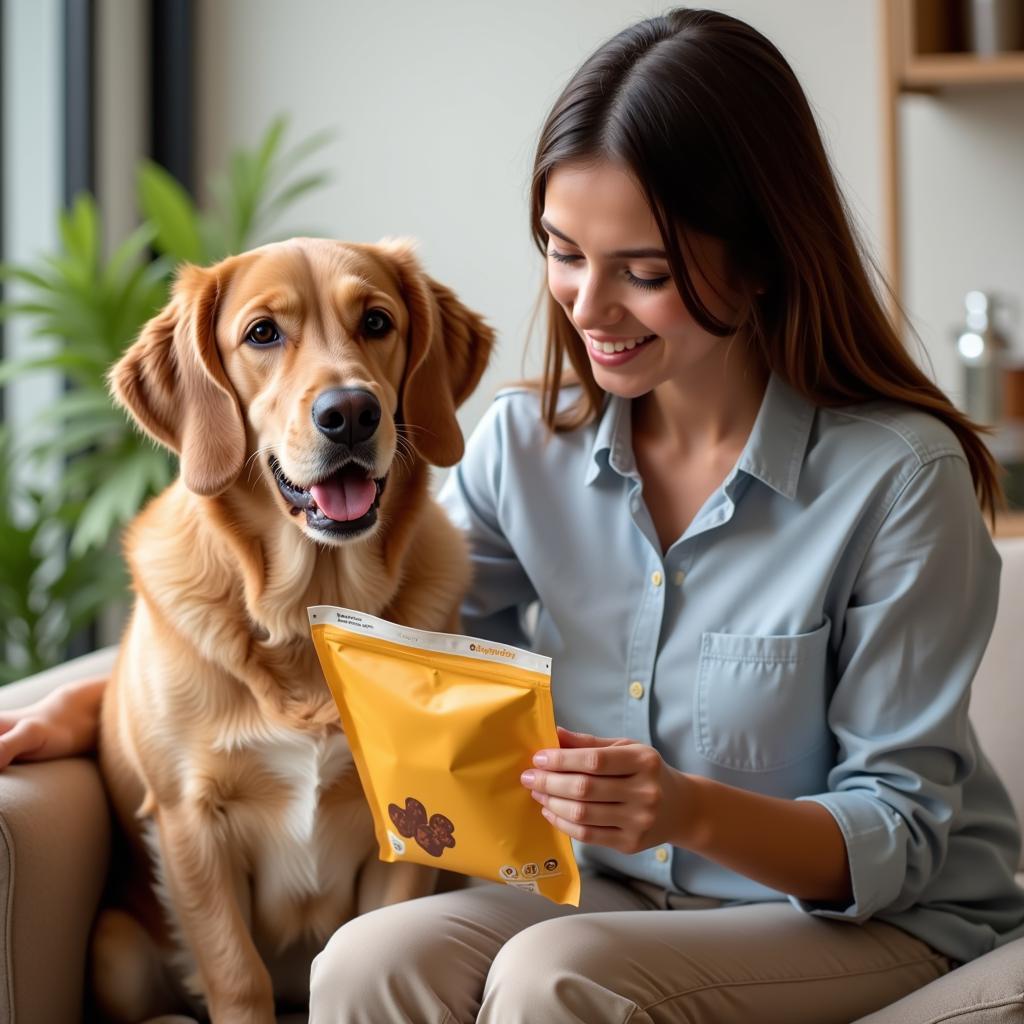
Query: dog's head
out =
(320, 361)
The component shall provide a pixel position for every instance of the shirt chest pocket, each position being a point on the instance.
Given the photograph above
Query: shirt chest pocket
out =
(760, 701)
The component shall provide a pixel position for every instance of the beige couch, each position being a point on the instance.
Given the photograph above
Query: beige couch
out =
(55, 838)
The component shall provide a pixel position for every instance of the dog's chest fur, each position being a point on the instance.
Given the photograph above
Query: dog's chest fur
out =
(292, 860)
(293, 802)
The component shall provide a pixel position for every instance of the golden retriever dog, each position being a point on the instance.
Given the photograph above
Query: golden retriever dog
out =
(305, 386)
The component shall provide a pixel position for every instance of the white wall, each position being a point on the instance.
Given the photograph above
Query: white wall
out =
(437, 106)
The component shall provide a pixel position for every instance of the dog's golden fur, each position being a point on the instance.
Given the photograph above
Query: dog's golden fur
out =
(249, 836)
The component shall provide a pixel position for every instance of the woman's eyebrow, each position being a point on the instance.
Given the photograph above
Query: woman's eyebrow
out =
(622, 254)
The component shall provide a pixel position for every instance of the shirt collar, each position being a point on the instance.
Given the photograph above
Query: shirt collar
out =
(613, 441)
(774, 452)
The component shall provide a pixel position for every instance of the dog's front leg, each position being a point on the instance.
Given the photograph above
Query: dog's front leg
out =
(198, 871)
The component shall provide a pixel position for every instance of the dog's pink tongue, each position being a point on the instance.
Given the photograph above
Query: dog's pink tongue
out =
(344, 497)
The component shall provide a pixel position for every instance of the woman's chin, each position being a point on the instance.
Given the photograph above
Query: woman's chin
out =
(623, 382)
(621, 388)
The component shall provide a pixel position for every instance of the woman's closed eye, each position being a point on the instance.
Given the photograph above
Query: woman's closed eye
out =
(644, 283)
(647, 283)
(563, 257)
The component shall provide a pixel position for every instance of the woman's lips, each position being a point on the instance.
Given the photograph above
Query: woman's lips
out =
(622, 350)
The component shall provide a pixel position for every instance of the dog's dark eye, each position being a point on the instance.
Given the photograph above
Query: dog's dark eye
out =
(263, 333)
(376, 324)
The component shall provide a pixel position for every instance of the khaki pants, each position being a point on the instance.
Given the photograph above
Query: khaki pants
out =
(631, 953)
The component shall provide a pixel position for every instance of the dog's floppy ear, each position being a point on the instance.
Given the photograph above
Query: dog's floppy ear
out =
(449, 347)
(173, 383)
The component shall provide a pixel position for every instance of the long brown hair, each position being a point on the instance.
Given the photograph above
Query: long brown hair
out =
(713, 124)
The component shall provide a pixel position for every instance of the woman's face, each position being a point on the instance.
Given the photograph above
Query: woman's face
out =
(608, 270)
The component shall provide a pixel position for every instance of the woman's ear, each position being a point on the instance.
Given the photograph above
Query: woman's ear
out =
(449, 348)
(173, 383)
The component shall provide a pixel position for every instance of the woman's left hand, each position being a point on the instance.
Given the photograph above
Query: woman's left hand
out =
(616, 793)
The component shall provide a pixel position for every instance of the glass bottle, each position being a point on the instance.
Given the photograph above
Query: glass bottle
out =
(981, 349)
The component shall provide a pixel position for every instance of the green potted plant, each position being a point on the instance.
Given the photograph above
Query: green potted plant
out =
(60, 561)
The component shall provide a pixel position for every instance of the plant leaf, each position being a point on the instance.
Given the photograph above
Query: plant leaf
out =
(79, 230)
(305, 148)
(128, 253)
(74, 438)
(11, 272)
(114, 502)
(84, 405)
(172, 212)
(270, 145)
(288, 195)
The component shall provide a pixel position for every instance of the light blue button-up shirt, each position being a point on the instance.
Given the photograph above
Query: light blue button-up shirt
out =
(812, 635)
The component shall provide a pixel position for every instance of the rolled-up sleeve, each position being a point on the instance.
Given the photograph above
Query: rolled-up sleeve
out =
(917, 623)
(472, 496)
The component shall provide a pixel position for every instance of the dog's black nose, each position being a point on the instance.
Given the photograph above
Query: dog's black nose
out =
(346, 415)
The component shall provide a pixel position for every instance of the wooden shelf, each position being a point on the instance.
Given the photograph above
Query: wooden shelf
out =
(961, 70)
(925, 49)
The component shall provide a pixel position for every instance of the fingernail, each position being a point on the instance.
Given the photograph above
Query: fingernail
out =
(540, 759)
(527, 778)
(547, 814)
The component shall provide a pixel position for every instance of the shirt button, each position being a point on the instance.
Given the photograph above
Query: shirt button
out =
(661, 855)
(636, 690)
(679, 577)
(656, 578)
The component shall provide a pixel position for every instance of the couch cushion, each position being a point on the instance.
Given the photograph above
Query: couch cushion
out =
(54, 847)
(997, 699)
(989, 990)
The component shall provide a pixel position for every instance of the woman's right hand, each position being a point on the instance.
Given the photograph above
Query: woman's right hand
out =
(62, 724)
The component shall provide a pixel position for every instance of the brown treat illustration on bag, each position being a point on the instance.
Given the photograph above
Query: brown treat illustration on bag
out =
(426, 838)
(436, 836)
(443, 829)
(407, 821)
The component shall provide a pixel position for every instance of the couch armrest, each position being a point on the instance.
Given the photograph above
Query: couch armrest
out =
(54, 850)
(989, 990)
(28, 691)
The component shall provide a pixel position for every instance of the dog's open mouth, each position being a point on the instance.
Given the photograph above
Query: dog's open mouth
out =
(344, 502)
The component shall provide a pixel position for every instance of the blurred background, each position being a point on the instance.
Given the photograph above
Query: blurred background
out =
(136, 133)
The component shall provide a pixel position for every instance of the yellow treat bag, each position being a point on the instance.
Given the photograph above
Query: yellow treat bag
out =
(441, 727)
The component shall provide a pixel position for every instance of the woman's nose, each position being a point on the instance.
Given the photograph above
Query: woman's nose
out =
(594, 305)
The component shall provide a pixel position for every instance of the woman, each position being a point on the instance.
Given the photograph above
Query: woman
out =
(751, 528)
